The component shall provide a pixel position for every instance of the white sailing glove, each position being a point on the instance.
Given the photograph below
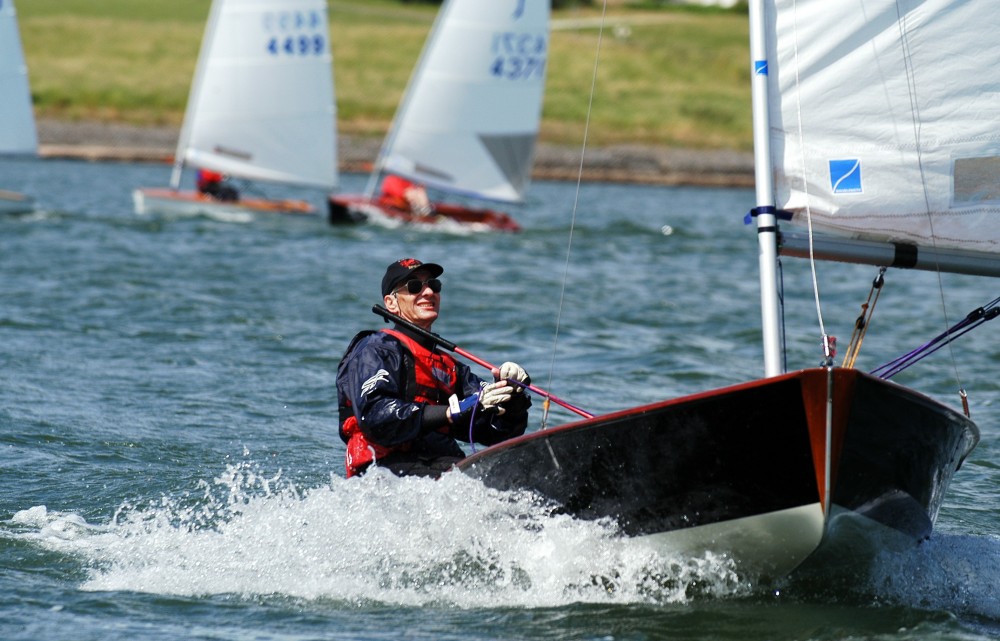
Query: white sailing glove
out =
(515, 371)
(494, 394)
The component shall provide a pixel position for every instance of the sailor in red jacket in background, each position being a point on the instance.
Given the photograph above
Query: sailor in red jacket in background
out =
(406, 195)
(214, 184)
(403, 403)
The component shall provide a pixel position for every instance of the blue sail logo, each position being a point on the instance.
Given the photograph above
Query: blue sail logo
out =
(845, 176)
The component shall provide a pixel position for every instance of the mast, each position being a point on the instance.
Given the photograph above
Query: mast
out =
(767, 227)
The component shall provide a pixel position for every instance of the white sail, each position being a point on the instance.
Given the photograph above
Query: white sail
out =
(885, 118)
(261, 105)
(17, 121)
(469, 120)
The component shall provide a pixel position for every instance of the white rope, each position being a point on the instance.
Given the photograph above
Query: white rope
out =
(827, 351)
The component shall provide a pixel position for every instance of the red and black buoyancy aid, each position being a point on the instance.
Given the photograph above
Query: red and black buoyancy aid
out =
(431, 378)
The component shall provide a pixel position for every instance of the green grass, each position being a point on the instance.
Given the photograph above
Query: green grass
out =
(665, 76)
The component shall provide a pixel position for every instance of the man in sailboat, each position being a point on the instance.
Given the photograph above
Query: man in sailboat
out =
(403, 403)
(406, 195)
(214, 184)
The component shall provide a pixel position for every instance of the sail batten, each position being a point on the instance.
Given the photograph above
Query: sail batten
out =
(884, 119)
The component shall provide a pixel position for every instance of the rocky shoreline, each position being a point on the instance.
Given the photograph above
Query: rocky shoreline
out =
(632, 163)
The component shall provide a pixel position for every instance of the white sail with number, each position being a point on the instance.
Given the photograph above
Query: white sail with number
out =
(261, 105)
(469, 120)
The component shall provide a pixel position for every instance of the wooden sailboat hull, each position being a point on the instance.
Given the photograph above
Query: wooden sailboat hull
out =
(351, 209)
(743, 470)
(191, 203)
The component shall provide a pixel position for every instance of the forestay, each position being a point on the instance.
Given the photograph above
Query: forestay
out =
(261, 104)
(17, 122)
(469, 120)
(884, 118)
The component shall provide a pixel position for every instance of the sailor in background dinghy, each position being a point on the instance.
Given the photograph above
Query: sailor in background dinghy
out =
(403, 403)
(214, 184)
(406, 195)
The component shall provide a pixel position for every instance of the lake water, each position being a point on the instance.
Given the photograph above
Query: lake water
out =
(171, 470)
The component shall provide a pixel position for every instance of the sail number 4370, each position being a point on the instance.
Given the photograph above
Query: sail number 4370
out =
(518, 56)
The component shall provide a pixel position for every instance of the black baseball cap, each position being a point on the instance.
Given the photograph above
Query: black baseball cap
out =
(400, 271)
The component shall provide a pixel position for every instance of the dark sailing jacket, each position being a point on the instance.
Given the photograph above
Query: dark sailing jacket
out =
(385, 383)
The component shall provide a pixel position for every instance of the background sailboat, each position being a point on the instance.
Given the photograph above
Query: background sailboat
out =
(261, 107)
(773, 471)
(469, 119)
(18, 135)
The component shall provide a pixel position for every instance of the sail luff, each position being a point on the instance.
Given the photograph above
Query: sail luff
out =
(18, 134)
(402, 109)
(469, 119)
(197, 81)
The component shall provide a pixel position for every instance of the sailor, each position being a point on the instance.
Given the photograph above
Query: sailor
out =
(403, 403)
(214, 184)
(406, 195)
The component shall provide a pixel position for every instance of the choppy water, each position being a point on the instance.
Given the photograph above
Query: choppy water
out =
(168, 453)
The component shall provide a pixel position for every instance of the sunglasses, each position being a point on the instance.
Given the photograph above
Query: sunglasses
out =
(416, 286)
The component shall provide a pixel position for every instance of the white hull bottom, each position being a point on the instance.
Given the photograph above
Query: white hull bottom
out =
(773, 545)
(766, 545)
(166, 202)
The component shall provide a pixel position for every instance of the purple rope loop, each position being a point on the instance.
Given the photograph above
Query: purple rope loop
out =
(972, 320)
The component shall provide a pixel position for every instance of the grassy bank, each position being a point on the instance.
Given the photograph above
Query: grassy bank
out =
(665, 76)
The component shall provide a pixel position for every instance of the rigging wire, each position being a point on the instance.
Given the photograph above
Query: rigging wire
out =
(864, 320)
(576, 202)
